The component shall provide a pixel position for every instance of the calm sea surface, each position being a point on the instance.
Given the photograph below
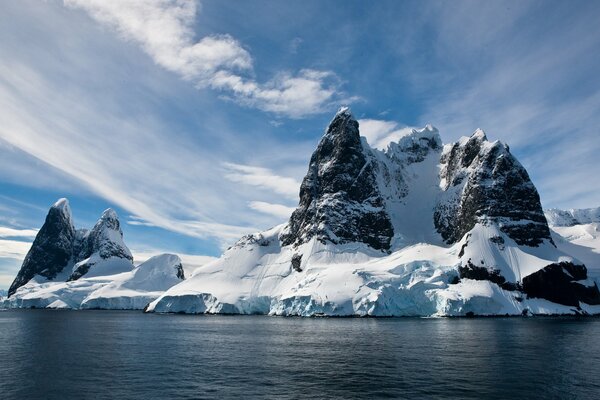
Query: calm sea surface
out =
(105, 355)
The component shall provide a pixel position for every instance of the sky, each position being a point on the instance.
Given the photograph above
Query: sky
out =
(195, 120)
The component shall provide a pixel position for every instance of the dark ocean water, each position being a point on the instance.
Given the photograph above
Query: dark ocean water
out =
(106, 355)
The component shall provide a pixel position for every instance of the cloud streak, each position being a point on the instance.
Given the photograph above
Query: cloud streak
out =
(6, 232)
(164, 30)
(263, 178)
(277, 210)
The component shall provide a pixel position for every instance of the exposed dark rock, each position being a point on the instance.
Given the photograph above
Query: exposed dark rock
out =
(180, 271)
(254, 238)
(485, 183)
(52, 248)
(296, 262)
(559, 283)
(499, 240)
(58, 245)
(105, 239)
(472, 271)
(339, 198)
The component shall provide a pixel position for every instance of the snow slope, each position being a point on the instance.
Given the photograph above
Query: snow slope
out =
(577, 232)
(125, 291)
(257, 277)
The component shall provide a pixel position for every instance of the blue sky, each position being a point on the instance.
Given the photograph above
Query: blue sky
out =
(196, 120)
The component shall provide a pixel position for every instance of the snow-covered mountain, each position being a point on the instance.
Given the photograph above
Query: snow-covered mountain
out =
(70, 268)
(577, 232)
(417, 229)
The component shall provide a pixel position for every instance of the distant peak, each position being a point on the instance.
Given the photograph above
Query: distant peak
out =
(344, 111)
(109, 219)
(431, 128)
(479, 134)
(109, 213)
(62, 207)
(62, 204)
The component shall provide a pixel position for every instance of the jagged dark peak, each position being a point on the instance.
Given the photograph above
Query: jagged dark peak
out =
(52, 247)
(339, 196)
(109, 220)
(479, 135)
(105, 238)
(485, 183)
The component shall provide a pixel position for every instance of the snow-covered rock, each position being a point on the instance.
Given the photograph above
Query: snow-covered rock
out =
(131, 290)
(69, 268)
(102, 250)
(417, 229)
(59, 252)
(577, 232)
(566, 218)
(52, 248)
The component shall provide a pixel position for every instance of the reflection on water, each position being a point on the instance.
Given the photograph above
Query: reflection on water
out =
(104, 354)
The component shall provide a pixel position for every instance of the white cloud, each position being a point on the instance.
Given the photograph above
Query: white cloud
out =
(263, 178)
(380, 133)
(6, 232)
(118, 158)
(14, 249)
(164, 30)
(277, 210)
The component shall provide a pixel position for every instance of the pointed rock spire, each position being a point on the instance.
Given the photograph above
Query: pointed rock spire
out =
(339, 197)
(52, 248)
(105, 239)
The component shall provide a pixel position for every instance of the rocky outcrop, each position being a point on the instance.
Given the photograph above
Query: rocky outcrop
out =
(59, 248)
(105, 239)
(52, 248)
(484, 183)
(340, 200)
(563, 283)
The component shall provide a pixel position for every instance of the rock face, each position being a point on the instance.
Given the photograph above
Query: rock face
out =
(563, 283)
(340, 200)
(433, 230)
(105, 239)
(59, 248)
(484, 183)
(52, 248)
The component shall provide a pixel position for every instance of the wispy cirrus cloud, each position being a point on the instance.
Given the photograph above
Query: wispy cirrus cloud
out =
(263, 178)
(6, 232)
(164, 29)
(277, 210)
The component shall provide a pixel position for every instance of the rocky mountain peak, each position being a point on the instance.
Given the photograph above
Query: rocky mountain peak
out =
(339, 196)
(105, 240)
(109, 220)
(484, 183)
(52, 247)
(59, 245)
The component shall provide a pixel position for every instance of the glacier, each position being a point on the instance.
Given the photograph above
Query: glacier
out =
(131, 290)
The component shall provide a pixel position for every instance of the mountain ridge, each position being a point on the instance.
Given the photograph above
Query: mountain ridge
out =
(415, 229)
